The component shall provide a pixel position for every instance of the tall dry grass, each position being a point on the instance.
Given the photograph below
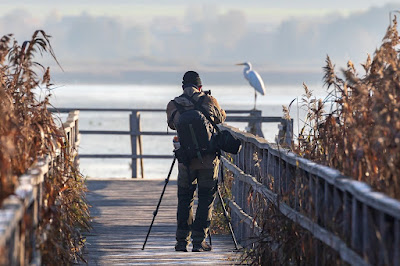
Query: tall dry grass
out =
(28, 131)
(356, 128)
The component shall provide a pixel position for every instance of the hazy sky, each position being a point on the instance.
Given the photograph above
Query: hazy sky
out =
(145, 10)
(142, 34)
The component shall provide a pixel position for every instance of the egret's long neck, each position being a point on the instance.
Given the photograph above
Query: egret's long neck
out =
(246, 70)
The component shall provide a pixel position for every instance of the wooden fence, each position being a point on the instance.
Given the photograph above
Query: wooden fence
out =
(361, 225)
(20, 213)
(135, 132)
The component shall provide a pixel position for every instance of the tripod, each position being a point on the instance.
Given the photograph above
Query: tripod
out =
(159, 202)
(219, 197)
(226, 213)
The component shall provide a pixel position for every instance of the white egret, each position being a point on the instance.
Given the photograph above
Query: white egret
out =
(254, 79)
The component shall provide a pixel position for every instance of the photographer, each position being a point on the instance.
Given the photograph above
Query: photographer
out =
(202, 169)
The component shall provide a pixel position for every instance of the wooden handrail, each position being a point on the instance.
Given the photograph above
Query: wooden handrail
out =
(343, 213)
(21, 211)
(136, 133)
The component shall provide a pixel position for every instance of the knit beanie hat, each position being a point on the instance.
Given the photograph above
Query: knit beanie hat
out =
(191, 78)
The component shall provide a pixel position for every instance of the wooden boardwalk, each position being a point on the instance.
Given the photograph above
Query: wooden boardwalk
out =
(122, 211)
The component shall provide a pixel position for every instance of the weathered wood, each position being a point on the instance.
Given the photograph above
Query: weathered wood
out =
(127, 156)
(134, 132)
(337, 216)
(310, 198)
(327, 209)
(122, 211)
(125, 132)
(356, 226)
(296, 189)
(254, 122)
(317, 200)
(318, 232)
(67, 110)
(316, 183)
(139, 138)
(251, 160)
(277, 176)
(263, 177)
(271, 170)
(284, 177)
(383, 252)
(365, 232)
(20, 213)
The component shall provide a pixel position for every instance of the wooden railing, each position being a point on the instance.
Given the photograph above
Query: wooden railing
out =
(361, 225)
(20, 213)
(135, 132)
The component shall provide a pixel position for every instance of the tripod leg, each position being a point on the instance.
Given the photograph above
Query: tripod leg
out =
(159, 202)
(227, 218)
(209, 236)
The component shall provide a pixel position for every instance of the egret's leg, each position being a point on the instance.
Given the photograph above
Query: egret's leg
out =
(255, 99)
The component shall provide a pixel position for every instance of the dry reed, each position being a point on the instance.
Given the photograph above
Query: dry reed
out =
(355, 129)
(27, 132)
(360, 135)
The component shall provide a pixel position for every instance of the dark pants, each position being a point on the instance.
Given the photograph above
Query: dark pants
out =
(206, 180)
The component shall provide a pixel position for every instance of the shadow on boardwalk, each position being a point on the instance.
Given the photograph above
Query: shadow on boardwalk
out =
(122, 211)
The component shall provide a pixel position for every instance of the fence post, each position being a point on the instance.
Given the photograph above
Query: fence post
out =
(139, 138)
(289, 132)
(134, 132)
(285, 134)
(255, 128)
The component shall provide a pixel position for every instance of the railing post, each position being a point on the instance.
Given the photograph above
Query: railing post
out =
(356, 226)
(76, 128)
(134, 132)
(289, 132)
(285, 134)
(139, 138)
(255, 128)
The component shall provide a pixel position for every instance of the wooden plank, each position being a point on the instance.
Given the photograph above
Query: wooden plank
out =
(382, 245)
(253, 119)
(338, 211)
(327, 209)
(356, 226)
(134, 132)
(125, 132)
(126, 156)
(365, 226)
(122, 211)
(67, 109)
(244, 217)
(140, 143)
(264, 177)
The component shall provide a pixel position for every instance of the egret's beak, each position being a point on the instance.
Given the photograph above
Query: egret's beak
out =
(240, 64)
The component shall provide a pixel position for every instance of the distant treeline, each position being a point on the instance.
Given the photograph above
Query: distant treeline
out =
(175, 77)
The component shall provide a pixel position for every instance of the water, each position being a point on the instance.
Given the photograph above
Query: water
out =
(153, 96)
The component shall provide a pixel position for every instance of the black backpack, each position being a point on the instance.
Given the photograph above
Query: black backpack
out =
(195, 131)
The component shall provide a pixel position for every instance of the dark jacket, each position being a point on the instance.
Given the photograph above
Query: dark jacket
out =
(211, 105)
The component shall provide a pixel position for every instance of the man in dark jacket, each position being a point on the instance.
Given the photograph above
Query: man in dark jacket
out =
(202, 172)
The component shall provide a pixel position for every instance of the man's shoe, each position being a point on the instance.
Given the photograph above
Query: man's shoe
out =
(181, 246)
(201, 247)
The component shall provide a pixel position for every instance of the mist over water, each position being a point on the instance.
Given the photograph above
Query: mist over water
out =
(155, 97)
